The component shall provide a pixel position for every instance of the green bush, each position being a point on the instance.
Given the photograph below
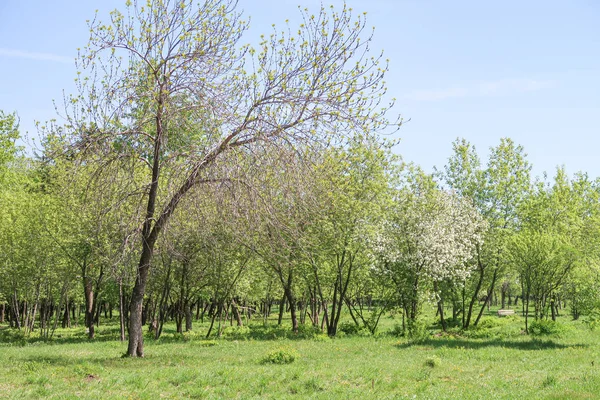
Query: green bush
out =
(321, 338)
(417, 331)
(364, 332)
(432, 362)
(549, 381)
(544, 327)
(349, 328)
(397, 330)
(236, 332)
(280, 356)
(488, 323)
(307, 331)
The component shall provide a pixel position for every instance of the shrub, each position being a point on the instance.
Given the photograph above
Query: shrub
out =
(549, 381)
(417, 331)
(432, 362)
(397, 330)
(349, 328)
(236, 332)
(487, 323)
(543, 327)
(321, 338)
(280, 356)
(364, 332)
(307, 331)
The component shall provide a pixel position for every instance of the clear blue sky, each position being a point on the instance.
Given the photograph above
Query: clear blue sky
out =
(477, 69)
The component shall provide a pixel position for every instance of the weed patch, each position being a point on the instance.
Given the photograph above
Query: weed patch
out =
(280, 356)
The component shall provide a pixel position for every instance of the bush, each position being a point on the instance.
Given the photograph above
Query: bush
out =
(488, 323)
(544, 327)
(549, 381)
(349, 328)
(417, 331)
(236, 332)
(321, 338)
(432, 362)
(280, 356)
(397, 330)
(307, 331)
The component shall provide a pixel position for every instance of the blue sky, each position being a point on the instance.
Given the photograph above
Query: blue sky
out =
(529, 70)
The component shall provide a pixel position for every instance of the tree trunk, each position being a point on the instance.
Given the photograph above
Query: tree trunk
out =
(66, 322)
(236, 313)
(121, 311)
(188, 316)
(135, 346)
(281, 310)
(346, 259)
(489, 296)
(526, 311)
(292, 304)
(15, 309)
(89, 306)
(440, 306)
(475, 296)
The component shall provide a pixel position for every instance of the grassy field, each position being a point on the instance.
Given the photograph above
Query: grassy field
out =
(495, 361)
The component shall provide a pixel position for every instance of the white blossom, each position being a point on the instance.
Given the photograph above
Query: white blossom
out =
(434, 234)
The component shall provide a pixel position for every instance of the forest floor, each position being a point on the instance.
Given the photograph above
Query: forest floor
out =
(494, 361)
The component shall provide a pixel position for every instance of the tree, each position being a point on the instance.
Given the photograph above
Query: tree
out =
(430, 238)
(543, 260)
(353, 190)
(557, 225)
(9, 134)
(497, 191)
(164, 86)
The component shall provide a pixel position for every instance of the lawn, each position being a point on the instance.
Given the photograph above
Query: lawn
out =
(495, 361)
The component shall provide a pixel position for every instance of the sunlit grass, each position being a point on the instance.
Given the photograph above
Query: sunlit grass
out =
(496, 361)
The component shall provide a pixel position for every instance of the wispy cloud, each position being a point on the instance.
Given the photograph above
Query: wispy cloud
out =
(502, 87)
(34, 56)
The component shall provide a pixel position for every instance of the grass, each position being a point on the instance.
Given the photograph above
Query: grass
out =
(493, 362)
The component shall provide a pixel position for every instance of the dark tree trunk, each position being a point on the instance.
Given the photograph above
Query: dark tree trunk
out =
(199, 307)
(292, 304)
(281, 309)
(236, 313)
(145, 310)
(188, 316)
(475, 296)
(489, 296)
(440, 306)
(346, 259)
(135, 347)
(66, 322)
(206, 309)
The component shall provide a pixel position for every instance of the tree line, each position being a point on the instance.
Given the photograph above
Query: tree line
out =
(196, 177)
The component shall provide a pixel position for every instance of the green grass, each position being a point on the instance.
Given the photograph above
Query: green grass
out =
(495, 361)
